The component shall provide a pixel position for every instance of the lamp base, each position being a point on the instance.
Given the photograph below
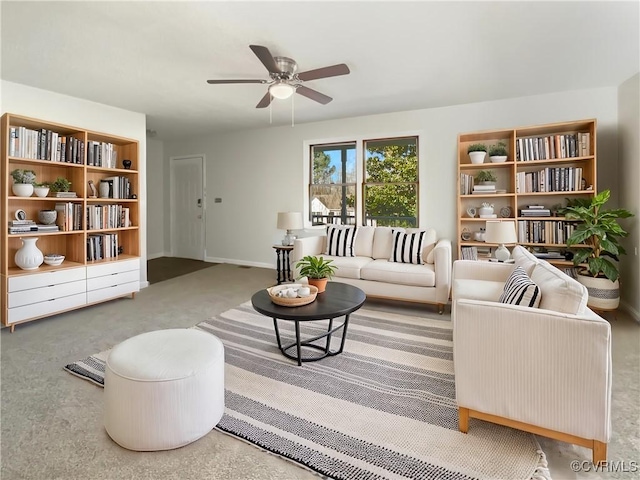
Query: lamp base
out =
(288, 239)
(502, 253)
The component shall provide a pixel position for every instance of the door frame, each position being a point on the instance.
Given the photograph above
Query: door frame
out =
(172, 163)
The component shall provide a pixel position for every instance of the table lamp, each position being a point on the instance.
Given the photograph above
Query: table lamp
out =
(289, 221)
(501, 233)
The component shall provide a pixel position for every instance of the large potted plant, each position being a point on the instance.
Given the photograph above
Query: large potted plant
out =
(317, 270)
(598, 233)
(23, 181)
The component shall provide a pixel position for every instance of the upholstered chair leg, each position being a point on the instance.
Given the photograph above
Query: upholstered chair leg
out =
(441, 308)
(463, 419)
(599, 452)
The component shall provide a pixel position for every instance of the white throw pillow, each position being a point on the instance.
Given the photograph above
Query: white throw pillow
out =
(519, 289)
(407, 247)
(340, 240)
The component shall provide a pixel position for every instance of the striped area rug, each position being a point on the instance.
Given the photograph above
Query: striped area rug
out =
(383, 409)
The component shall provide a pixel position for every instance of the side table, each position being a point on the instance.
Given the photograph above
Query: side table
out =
(283, 266)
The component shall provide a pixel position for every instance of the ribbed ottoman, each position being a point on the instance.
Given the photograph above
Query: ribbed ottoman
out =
(164, 389)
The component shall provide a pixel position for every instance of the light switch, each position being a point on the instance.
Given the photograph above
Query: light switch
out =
(217, 200)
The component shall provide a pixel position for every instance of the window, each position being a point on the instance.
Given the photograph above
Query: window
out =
(391, 182)
(332, 192)
(370, 182)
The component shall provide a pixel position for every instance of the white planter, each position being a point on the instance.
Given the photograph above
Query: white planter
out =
(603, 293)
(41, 191)
(486, 210)
(29, 257)
(477, 157)
(22, 189)
(498, 158)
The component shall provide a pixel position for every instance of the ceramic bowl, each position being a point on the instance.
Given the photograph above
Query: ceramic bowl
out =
(53, 259)
(47, 217)
(41, 191)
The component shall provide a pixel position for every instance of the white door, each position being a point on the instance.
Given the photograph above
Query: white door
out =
(187, 207)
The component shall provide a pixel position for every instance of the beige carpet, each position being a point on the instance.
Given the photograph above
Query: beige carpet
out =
(51, 422)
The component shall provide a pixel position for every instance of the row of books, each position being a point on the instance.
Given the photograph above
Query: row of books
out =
(559, 179)
(544, 231)
(69, 216)
(102, 246)
(45, 144)
(101, 154)
(119, 187)
(107, 216)
(466, 184)
(469, 253)
(569, 145)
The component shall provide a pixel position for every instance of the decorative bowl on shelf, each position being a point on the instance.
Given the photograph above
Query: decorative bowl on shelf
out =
(47, 217)
(41, 191)
(289, 295)
(498, 158)
(53, 259)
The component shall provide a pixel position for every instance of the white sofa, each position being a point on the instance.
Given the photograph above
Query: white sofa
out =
(545, 370)
(371, 270)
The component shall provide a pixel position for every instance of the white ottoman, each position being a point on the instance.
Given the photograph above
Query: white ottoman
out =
(164, 389)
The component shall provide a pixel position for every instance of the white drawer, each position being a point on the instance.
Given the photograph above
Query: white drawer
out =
(113, 292)
(36, 280)
(42, 309)
(113, 267)
(112, 280)
(42, 294)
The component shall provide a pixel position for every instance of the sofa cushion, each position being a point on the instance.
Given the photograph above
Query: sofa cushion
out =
(399, 273)
(407, 247)
(348, 267)
(363, 246)
(524, 258)
(382, 242)
(560, 292)
(430, 240)
(340, 240)
(519, 289)
(473, 289)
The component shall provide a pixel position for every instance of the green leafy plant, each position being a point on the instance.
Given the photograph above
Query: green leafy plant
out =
(316, 267)
(485, 176)
(477, 147)
(498, 150)
(43, 184)
(23, 176)
(599, 232)
(61, 184)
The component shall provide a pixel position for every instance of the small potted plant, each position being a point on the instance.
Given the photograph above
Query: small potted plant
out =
(23, 181)
(61, 184)
(485, 177)
(477, 152)
(597, 234)
(317, 270)
(41, 189)
(498, 153)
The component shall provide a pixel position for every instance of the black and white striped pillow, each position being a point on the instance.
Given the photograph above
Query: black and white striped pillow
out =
(340, 241)
(519, 289)
(407, 247)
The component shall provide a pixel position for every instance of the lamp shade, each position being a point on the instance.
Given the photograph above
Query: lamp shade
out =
(281, 90)
(501, 232)
(290, 220)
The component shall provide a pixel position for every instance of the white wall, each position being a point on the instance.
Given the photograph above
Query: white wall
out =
(629, 193)
(155, 199)
(54, 107)
(259, 172)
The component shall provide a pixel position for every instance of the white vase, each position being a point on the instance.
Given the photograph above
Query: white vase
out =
(104, 189)
(22, 189)
(29, 257)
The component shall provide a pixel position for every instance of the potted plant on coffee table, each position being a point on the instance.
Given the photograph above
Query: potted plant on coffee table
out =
(597, 234)
(317, 270)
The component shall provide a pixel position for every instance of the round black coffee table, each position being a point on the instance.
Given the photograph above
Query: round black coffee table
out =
(339, 299)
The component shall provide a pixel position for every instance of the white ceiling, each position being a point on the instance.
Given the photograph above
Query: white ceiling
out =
(155, 57)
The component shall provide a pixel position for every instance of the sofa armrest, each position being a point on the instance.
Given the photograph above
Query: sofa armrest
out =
(481, 270)
(442, 263)
(535, 366)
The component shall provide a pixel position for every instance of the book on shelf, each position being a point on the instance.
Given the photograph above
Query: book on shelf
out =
(469, 253)
(23, 229)
(15, 223)
(47, 228)
(66, 195)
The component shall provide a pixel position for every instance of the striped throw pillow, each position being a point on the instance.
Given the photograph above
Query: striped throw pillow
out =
(519, 289)
(407, 247)
(340, 241)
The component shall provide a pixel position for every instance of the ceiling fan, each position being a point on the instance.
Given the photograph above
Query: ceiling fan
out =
(284, 80)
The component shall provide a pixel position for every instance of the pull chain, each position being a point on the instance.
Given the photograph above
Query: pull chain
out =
(292, 109)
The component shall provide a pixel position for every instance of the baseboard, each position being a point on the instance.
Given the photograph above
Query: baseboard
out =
(243, 263)
(158, 255)
(630, 310)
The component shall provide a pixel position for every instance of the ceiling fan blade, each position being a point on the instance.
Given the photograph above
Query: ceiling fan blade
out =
(332, 71)
(266, 100)
(313, 95)
(221, 82)
(265, 57)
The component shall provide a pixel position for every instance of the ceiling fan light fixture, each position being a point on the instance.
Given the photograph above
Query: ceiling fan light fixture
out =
(281, 90)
